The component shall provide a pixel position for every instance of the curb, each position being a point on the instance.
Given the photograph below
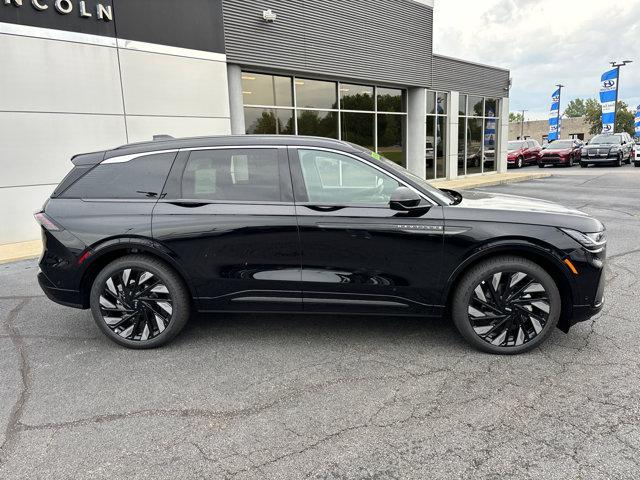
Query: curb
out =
(14, 252)
(490, 181)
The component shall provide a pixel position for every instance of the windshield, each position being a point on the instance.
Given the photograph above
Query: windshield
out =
(515, 145)
(560, 144)
(393, 166)
(607, 139)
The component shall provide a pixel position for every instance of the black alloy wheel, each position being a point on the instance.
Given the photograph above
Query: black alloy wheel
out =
(139, 302)
(135, 304)
(506, 305)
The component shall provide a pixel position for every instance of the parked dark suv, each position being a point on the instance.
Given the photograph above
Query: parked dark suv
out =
(147, 233)
(610, 148)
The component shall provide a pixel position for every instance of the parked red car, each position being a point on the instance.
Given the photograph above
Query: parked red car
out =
(522, 152)
(560, 152)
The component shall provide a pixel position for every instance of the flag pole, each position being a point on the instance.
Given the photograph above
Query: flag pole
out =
(615, 107)
(559, 85)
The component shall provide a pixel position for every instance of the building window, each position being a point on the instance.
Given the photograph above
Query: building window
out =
(371, 116)
(435, 149)
(477, 133)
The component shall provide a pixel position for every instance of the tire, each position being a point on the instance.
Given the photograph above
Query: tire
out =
(618, 162)
(526, 325)
(583, 164)
(541, 165)
(636, 164)
(160, 314)
(570, 163)
(519, 162)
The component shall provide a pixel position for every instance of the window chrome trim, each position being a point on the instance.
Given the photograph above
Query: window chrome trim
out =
(366, 162)
(132, 156)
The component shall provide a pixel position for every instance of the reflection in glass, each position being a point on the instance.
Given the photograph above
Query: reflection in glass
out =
(474, 145)
(391, 137)
(462, 128)
(490, 106)
(462, 106)
(268, 121)
(356, 97)
(390, 100)
(441, 136)
(489, 163)
(476, 107)
(316, 93)
(431, 148)
(321, 124)
(441, 103)
(259, 89)
(358, 128)
(431, 102)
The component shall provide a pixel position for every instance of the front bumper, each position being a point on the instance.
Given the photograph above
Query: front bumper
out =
(68, 298)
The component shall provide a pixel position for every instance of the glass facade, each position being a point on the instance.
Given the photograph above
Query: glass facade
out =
(477, 131)
(371, 116)
(435, 150)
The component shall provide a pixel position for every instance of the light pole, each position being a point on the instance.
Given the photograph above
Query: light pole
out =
(559, 85)
(522, 124)
(617, 66)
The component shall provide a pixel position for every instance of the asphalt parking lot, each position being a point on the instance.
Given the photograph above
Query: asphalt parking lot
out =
(289, 397)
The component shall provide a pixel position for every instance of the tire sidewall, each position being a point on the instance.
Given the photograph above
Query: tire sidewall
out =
(472, 279)
(177, 291)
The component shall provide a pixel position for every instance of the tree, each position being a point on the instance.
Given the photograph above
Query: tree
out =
(575, 108)
(515, 117)
(593, 117)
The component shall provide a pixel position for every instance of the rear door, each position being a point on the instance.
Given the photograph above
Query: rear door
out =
(228, 216)
(358, 255)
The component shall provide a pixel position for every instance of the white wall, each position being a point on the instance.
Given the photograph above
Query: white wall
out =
(63, 93)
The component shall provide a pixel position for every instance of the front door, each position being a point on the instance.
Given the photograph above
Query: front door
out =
(358, 255)
(227, 215)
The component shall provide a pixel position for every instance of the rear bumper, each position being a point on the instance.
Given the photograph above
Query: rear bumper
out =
(68, 298)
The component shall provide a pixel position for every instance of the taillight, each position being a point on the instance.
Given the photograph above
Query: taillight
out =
(46, 222)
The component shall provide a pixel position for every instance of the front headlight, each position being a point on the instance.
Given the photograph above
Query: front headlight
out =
(615, 148)
(593, 242)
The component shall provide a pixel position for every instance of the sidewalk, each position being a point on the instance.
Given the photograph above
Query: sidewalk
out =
(487, 180)
(12, 252)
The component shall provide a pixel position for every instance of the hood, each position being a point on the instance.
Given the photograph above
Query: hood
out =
(556, 151)
(516, 209)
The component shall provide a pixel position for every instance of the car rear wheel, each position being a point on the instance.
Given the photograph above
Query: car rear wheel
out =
(139, 302)
(506, 305)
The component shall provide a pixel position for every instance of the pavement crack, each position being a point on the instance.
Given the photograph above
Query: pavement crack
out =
(12, 428)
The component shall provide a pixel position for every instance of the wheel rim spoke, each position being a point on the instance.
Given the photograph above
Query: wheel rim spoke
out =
(509, 308)
(135, 304)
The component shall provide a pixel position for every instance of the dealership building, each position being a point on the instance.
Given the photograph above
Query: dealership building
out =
(79, 76)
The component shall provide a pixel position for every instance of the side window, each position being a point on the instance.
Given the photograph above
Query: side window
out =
(142, 177)
(232, 175)
(334, 178)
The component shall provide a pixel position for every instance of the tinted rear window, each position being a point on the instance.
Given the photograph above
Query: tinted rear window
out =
(232, 175)
(142, 177)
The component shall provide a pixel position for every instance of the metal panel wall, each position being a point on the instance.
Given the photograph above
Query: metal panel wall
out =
(382, 41)
(464, 77)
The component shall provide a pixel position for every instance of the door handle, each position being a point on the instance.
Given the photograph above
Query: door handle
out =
(188, 204)
(325, 208)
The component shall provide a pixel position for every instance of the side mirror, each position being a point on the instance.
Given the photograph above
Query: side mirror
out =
(403, 199)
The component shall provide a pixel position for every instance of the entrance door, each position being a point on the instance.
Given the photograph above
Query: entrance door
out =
(358, 255)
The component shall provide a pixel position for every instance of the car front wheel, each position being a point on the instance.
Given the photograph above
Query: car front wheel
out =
(519, 162)
(139, 302)
(506, 305)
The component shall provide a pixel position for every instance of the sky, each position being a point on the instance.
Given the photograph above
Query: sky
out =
(545, 42)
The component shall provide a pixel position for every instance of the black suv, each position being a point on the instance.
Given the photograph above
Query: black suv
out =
(611, 148)
(147, 233)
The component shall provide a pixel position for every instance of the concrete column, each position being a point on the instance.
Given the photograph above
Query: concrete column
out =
(236, 109)
(453, 103)
(502, 135)
(416, 131)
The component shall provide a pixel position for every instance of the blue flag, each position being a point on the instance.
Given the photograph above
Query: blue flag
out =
(554, 116)
(637, 121)
(608, 95)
